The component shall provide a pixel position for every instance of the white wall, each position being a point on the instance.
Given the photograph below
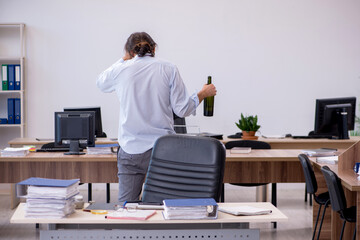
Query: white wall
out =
(268, 57)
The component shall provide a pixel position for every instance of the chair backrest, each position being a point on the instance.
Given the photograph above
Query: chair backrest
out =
(336, 191)
(184, 166)
(248, 143)
(311, 183)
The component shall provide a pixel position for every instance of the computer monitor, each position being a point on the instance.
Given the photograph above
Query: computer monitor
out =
(98, 125)
(179, 124)
(74, 130)
(335, 117)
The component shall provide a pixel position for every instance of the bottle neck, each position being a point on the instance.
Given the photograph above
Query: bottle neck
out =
(209, 80)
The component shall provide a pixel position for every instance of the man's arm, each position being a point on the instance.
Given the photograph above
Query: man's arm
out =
(106, 81)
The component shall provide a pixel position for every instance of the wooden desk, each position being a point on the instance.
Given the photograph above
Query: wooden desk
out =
(290, 143)
(267, 165)
(89, 168)
(283, 143)
(349, 179)
(226, 225)
(262, 166)
(257, 167)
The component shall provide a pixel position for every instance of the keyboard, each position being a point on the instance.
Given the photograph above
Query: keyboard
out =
(206, 134)
(312, 137)
(52, 150)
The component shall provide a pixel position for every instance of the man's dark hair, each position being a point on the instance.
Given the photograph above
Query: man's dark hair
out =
(140, 43)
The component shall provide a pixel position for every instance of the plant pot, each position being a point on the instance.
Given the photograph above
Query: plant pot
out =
(249, 135)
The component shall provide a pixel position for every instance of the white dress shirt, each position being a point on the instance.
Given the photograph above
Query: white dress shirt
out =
(149, 90)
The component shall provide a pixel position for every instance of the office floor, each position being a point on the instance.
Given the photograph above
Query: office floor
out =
(290, 202)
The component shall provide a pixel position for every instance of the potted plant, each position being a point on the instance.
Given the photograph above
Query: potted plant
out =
(249, 126)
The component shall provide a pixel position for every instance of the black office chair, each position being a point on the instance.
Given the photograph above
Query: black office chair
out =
(184, 166)
(253, 145)
(337, 198)
(322, 199)
(306, 196)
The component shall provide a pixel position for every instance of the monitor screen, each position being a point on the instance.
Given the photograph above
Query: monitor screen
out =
(335, 116)
(74, 128)
(98, 124)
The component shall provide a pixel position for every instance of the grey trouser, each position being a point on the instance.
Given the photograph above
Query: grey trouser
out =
(132, 170)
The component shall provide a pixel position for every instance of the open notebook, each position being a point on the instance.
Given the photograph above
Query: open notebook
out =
(244, 210)
(131, 214)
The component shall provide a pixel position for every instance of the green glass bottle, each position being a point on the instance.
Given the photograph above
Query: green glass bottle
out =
(209, 103)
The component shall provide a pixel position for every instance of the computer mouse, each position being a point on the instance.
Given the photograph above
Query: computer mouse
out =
(288, 135)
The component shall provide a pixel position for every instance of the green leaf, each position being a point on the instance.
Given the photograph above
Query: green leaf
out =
(248, 123)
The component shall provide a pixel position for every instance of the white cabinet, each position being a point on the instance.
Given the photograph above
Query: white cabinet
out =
(12, 52)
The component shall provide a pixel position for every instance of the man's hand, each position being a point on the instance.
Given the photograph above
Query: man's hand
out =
(208, 90)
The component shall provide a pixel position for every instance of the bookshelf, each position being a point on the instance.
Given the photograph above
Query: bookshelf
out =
(12, 52)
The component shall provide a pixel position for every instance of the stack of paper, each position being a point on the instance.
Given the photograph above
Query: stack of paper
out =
(327, 160)
(52, 192)
(15, 152)
(240, 150)
(48, 198)
(134, 214)
(320, 152)
(273, 136)
(196, 208)
(102, 149)
(49, 208)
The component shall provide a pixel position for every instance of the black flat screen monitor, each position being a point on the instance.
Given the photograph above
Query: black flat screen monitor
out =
(98, 124)
(335, 117)
(74, 130)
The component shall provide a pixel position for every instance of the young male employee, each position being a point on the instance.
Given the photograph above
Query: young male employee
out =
(149, 91)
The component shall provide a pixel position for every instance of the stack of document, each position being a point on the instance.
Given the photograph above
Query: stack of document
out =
(320, 152)
(102, 149)
(240, 150)
(48, 198)
(55, 192)
(15, 152)
(196, 208)
(273, 136)
(327, 160)
(49, 208)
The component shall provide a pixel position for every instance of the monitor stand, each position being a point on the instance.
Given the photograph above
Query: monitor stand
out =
(103, 135)
(74, 148)
(312, 134)
(342, 125)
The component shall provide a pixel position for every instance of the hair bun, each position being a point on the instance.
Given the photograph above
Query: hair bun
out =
(140, 43)
(143, 49)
